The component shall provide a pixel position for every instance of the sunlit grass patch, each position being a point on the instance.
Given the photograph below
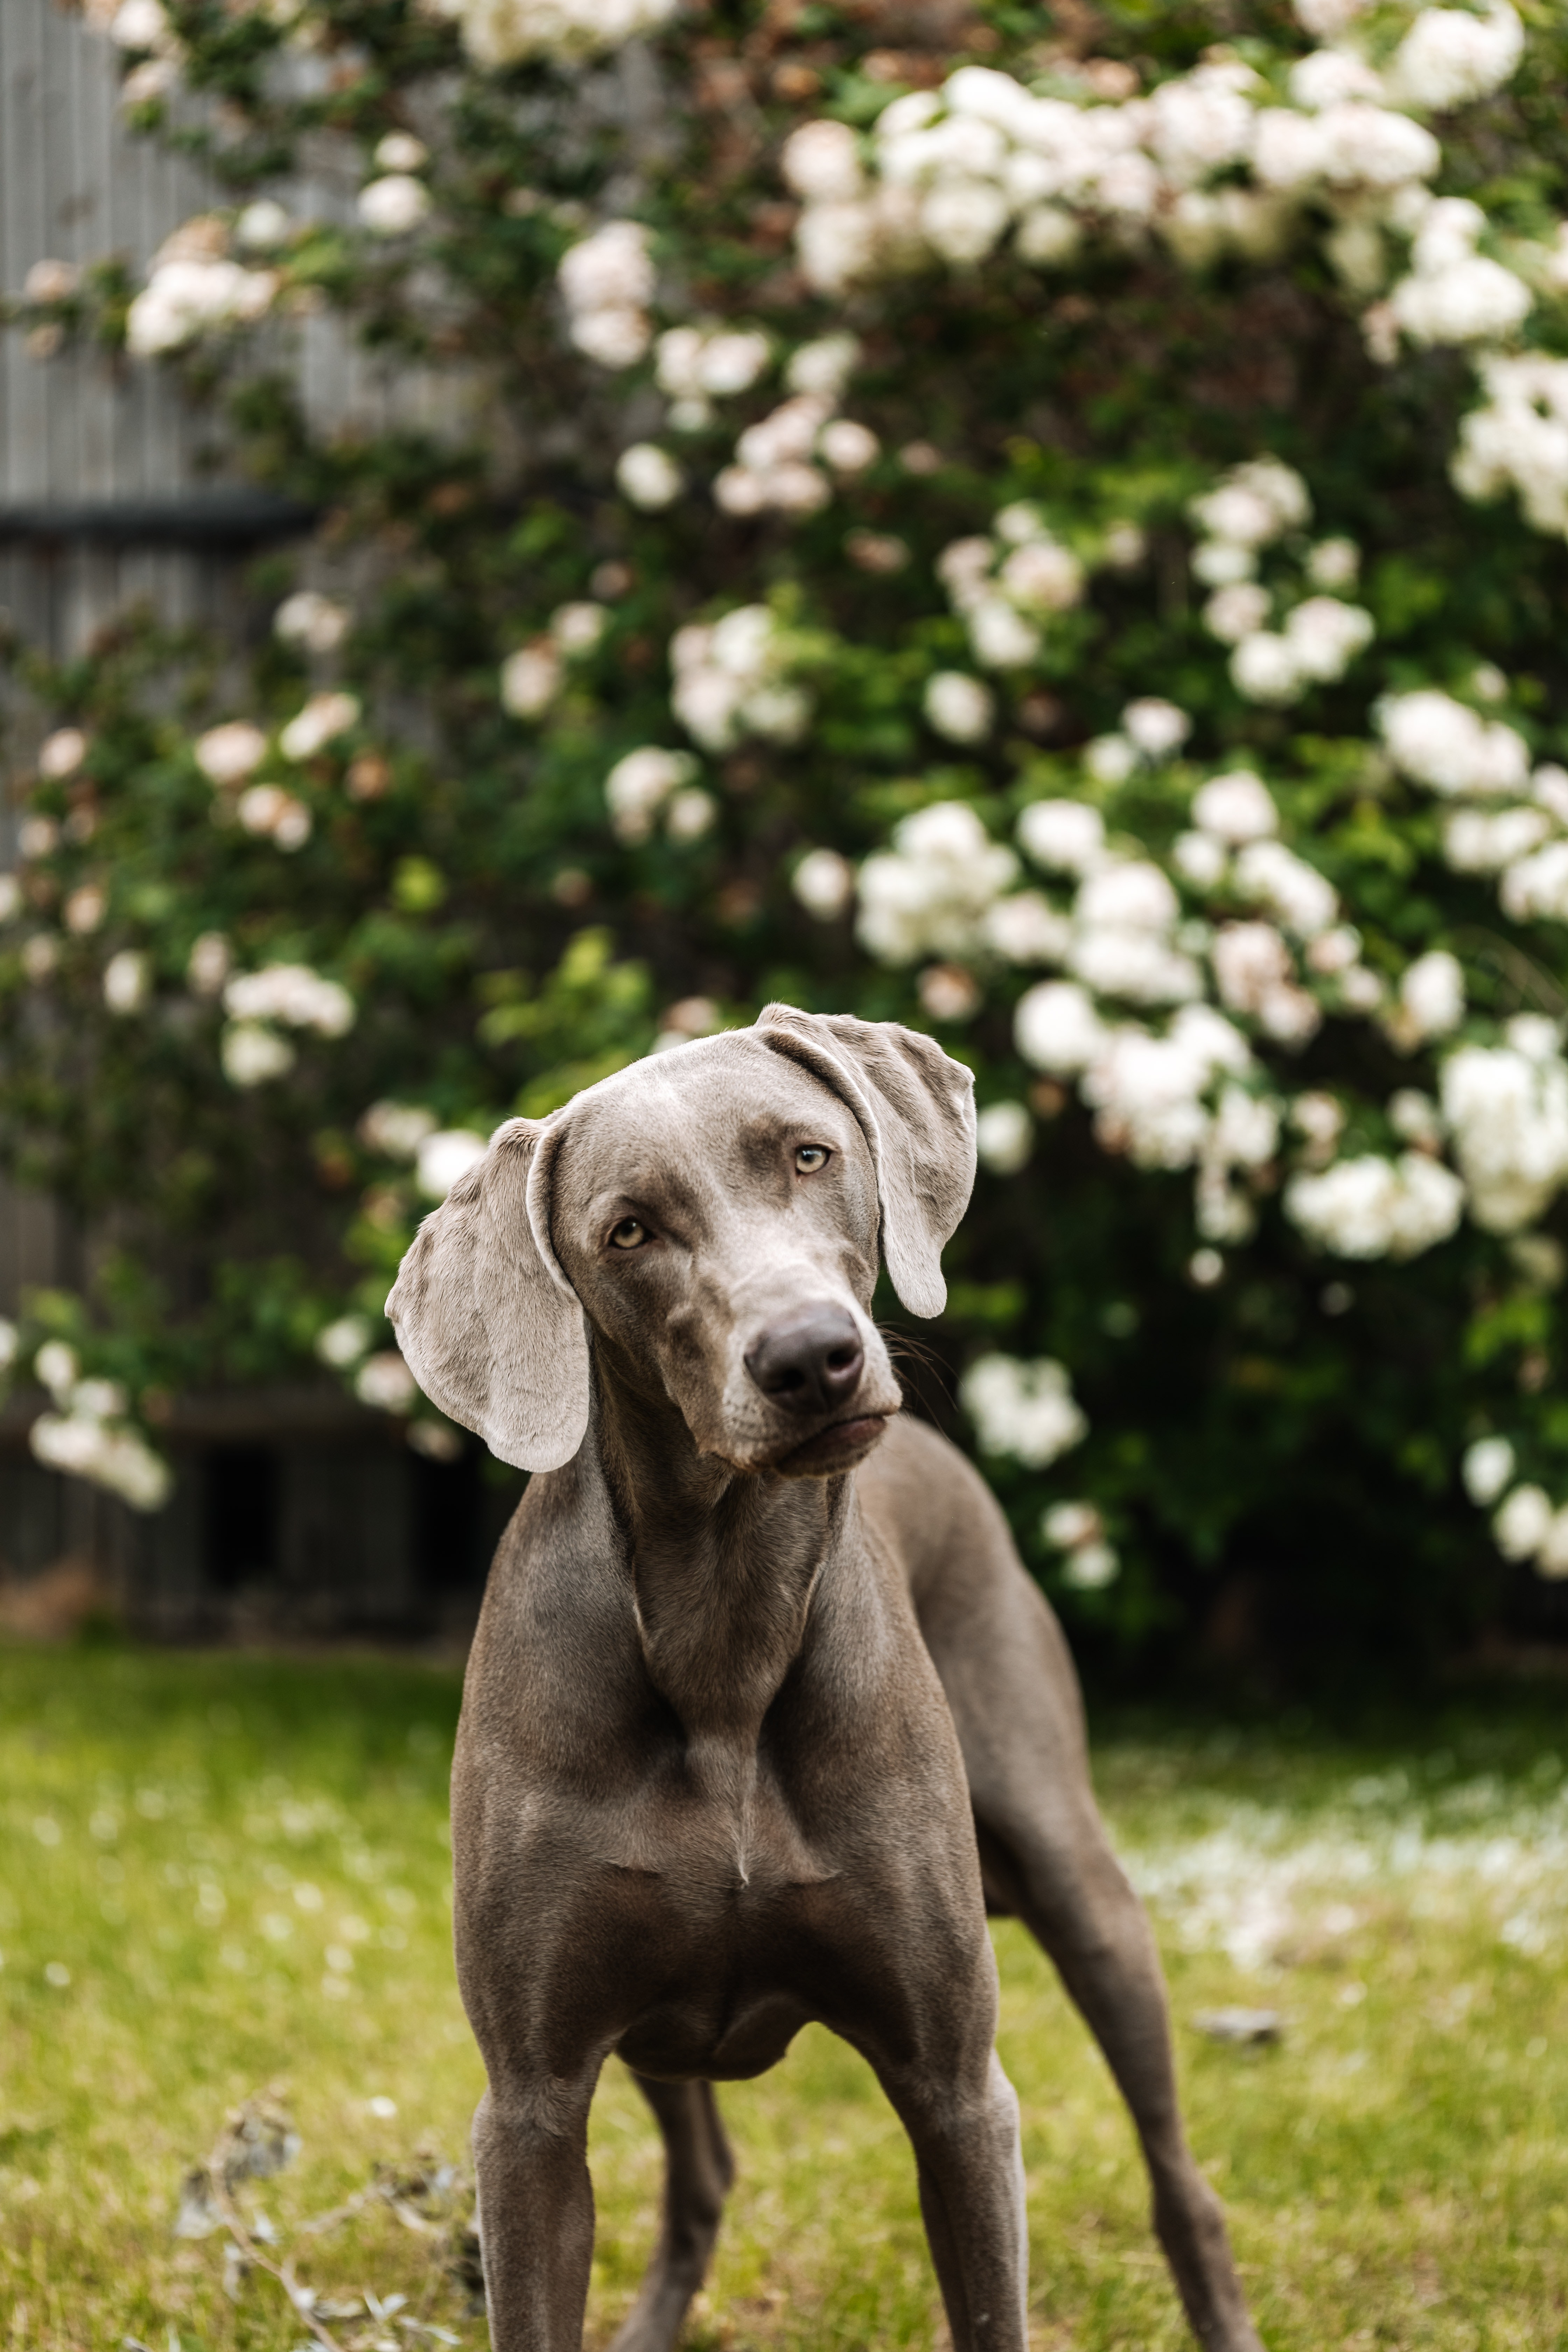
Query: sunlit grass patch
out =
(219, 1874)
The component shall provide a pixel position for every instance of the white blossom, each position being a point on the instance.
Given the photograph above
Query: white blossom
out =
(649, 476)
(251, 1054)
(1372, 1207)
(445, 1157)
(640, 783)
(1325, 635)
(1200, 858)
(821, 161)
(958, 707)
(930, 893)
(1432, 994)
(268, 810)
(1024, 1409)
(823, 366)
(1003, 1137)
(1237, 611)
(1266, 667)
(1507, 1109)
(1064, 836)
(530, 678)
(193, 288)
(1148, 1091)
(1488, 1466)
(1057, 1028)
(86, 1446)
(1157, 727)
(606, 281)
(1295, 892)
(1235, 808)
(62, 753)
(1518, 440)
(323, 718)
(1536, 887)
(1524, 1523)
(731, 679)
(393, 205)
(1449, 57)
(209, 963)
(396, 1130)
(824, 882)
(127, 981)
(1445, 745)
(294, 995)
(1483, 840)
(227, 754)
(343, 1342)
(311, 620)
(385, 1382)
(500, 33)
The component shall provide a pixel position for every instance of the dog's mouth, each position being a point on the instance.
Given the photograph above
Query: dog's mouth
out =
(838, 1447)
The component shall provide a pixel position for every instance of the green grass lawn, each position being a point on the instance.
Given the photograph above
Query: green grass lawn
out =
(220, 1874)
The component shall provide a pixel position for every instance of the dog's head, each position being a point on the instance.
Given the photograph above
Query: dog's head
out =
(713, 1215)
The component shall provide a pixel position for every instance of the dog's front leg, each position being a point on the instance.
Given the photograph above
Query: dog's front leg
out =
(971, 2170)
(535, 2210)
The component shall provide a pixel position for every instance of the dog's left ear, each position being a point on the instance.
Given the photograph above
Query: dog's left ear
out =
(488, 1323)
(916, 1107)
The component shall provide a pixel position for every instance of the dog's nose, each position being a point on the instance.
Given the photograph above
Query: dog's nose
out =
(810, 1362)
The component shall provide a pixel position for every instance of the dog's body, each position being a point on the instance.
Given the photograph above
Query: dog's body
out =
(760, 1711)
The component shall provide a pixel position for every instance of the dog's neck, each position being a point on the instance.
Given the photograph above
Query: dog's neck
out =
(722, 1563)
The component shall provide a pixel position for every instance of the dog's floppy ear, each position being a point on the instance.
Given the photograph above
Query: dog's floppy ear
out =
(487, 1321)
(916, 1106)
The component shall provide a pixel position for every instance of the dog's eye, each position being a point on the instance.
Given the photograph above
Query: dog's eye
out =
(630, 1233)
(811, 1157)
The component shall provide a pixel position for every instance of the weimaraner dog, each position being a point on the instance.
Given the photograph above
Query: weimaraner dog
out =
(763, 1709)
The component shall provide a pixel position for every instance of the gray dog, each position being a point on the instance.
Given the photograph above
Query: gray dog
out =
(763, 1708)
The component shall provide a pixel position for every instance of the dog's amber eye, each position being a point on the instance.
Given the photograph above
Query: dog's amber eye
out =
(630, 1233)
(811, 1157)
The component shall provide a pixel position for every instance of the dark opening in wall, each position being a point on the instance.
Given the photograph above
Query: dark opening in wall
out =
(239, 1516)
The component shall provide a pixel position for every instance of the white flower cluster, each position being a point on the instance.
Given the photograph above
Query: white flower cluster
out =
(321, 720)
(1454, 294)
(650, 781)
(396, 1130)
(1252, 507)
(531, 677)
(731, 679)
(500, 33)
(1519, 439)
(1526, 1526)
(89, 1436)
(1006, 583)
(773, 464)
(1024, 1409)
(1450, 58)
(1372, 1207)
(1078, 1530)
(194, 288)
(1456, 753)
(1507, 1109)
(951, 172)
(606, 284)
(933, 891)
(251, 1049)
(395, 202)
(696, 365)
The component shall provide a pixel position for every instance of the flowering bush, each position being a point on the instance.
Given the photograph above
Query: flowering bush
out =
(1063, 549)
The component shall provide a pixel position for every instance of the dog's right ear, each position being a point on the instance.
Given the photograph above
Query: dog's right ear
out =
(488, 1323)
